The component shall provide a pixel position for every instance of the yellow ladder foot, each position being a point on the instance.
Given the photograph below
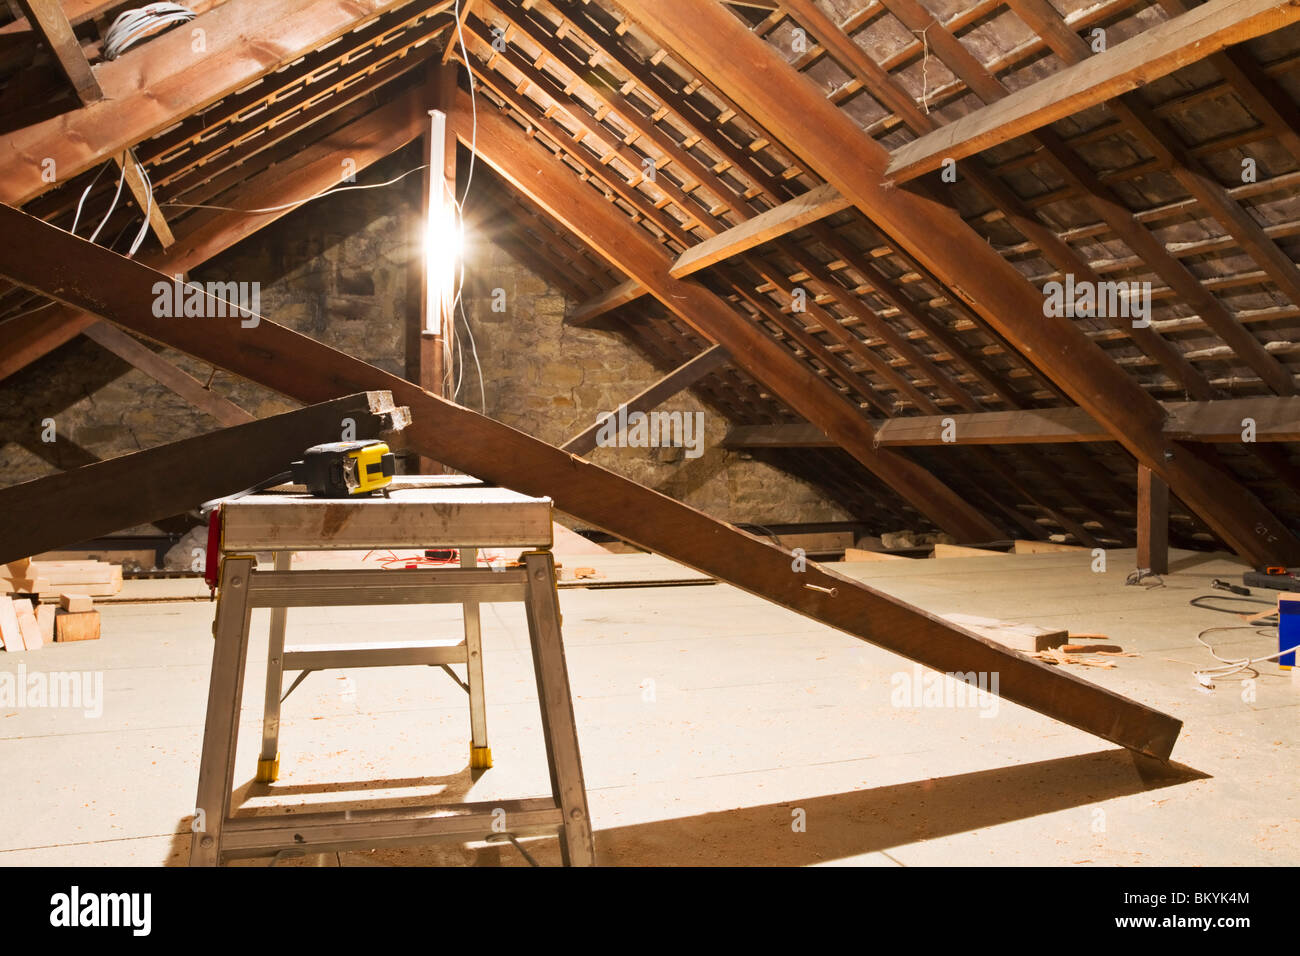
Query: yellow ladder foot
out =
(268, 771)
(480, 758)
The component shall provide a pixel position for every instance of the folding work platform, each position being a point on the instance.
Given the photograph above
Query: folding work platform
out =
(418, 513)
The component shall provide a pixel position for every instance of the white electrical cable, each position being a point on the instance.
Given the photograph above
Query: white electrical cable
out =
(121, 178)
(290, 205)
(132, 26)
(1207, 675)
(86, 192)
(482, 393)
(148, 211)
(473, 106)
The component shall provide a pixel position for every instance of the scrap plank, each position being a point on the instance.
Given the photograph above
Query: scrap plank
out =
(11, 636)
(1017, 635)
(942, 550)
(1045, 547)
(27, 625)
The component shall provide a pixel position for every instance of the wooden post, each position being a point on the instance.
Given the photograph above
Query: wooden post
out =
(426, 349)
(1152, 522)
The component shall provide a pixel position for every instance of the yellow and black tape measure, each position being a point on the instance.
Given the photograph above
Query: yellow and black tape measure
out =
(343, 469)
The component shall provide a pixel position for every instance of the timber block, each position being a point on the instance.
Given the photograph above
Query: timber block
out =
(77, 603)
(1016, 635)
(45, 621)
(76, 626)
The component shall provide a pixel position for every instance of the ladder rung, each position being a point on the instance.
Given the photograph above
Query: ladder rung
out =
(339, 830)
(374, 654)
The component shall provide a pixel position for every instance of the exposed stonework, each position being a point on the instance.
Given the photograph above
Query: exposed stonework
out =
(337, 270)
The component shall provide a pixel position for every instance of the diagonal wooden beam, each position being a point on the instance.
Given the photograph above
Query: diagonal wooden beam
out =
(46, 259)
(144, 197)
(792, 214)
(168, 80)
(792, 109)
(129, 490)
(817, 203)
(680, 378)
(1154, 53)
(163, 372)
(614, 297)
(51, 21)
(534, 171)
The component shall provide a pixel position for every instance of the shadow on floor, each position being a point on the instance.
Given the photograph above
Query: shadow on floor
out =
(835, 827)
(868, 821)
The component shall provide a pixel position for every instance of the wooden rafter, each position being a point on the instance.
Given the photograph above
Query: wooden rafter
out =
(51, 21)
(145, 198)
(131, 350)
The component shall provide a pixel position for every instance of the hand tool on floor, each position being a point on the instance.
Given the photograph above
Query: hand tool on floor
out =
(1225, 586)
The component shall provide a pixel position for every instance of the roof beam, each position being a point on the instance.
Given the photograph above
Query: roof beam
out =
(537, 173)
(132, 350)
(792, 109)
(680, 378)
(1228, 421)
(1154, 53)
(167, 81)
(817, 203)
(46, 259)
(612, 298)
(144, 197)
(50, 20)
